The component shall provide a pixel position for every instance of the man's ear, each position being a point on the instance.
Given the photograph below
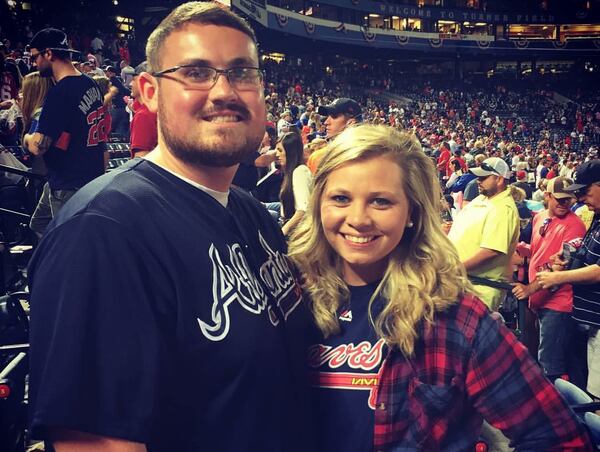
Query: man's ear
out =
(149, 91)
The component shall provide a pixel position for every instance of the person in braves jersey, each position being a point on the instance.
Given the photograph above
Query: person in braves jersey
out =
(72, 130)
(406, 357)
(165, 315)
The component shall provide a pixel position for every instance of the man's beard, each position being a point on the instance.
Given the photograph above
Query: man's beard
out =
(45, 71)
(227, 147)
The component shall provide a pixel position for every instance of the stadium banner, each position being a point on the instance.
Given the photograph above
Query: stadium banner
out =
(280, 19)
(460, 15)
(256, 9)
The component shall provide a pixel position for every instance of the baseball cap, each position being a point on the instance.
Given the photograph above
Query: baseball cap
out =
(493, 165)
(557, 186)
(343, 105)
(587, 173)
(51, 38)
(521, 174)
(111, 69)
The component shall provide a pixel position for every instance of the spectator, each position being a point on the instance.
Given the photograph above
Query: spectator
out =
(143, 132)
(120, 117)
(523, 185)
(582, 271)
(552, 228)
(380, 273)
(295, 189)
(485, 232)
(145, 328)
(341, 113)
(72, 129)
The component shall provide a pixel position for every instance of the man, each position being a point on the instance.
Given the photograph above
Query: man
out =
(120, 117)
(127, 72)
(143, 131)
(174, 321)
(95, 71)
(341, 113)
(582, 270)
(72, 130)
(485, 232)
(523, 185)
(552, 228)
(10, 76)
(284, 123)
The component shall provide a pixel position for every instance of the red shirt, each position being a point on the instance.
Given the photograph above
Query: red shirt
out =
(557, 232)
(144, 135)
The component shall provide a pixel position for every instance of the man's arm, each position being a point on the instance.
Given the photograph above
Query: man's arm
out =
(74, 441)
(481, 257)
(584, 275)
(38, 144)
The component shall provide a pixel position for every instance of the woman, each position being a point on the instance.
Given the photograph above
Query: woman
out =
(295, 188)
(407, 358)
(33, 93)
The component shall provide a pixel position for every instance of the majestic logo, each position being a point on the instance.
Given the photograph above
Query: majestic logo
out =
(234, 281)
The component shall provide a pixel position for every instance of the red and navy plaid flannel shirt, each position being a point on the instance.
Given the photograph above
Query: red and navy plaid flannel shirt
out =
(465, 368)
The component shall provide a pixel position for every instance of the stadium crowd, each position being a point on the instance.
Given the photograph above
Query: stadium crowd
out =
(524, 151)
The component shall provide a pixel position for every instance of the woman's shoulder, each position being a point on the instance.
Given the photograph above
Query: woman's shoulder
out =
(302, 171)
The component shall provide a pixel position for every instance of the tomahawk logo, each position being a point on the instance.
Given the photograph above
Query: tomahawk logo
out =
(234, 280)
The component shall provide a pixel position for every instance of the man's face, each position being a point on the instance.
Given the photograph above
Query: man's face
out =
(488, 185)
(216, 127)
(557, 207)
(591, 197)
(41, 60)
(335, 124)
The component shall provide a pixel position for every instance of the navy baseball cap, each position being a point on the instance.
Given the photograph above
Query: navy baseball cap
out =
(587, 173)
(343, 105)
(51, 38)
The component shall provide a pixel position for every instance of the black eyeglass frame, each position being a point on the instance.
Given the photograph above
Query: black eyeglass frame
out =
(218, 72)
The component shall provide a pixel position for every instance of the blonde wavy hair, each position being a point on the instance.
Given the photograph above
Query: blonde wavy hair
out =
(424, 274)
(35, 88)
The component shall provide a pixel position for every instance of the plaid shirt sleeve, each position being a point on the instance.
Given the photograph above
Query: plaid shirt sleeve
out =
(508, 389)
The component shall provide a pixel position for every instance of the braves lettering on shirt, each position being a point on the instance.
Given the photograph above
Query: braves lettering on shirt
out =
(364, 356)
(234, 281)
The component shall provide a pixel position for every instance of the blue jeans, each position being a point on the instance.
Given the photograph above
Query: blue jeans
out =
(555, 337)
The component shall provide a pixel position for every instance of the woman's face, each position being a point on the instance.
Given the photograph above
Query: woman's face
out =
(364, 212)
(280, 154)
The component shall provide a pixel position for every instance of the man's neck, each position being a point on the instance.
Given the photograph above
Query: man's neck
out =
(215, 178)
(62, 70)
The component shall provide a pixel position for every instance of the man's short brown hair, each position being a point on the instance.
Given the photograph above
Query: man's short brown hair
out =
(192, 12)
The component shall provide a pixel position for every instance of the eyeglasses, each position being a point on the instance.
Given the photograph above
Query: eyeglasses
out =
(35, 57)
(205, 77)
(544, 226)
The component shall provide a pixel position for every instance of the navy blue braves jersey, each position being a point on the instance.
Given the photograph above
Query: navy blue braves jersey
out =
(75, 118)
(344, 371)
(162, 317)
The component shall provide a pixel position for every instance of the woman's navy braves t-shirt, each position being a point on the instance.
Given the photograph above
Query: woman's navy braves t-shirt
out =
(344, 375)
